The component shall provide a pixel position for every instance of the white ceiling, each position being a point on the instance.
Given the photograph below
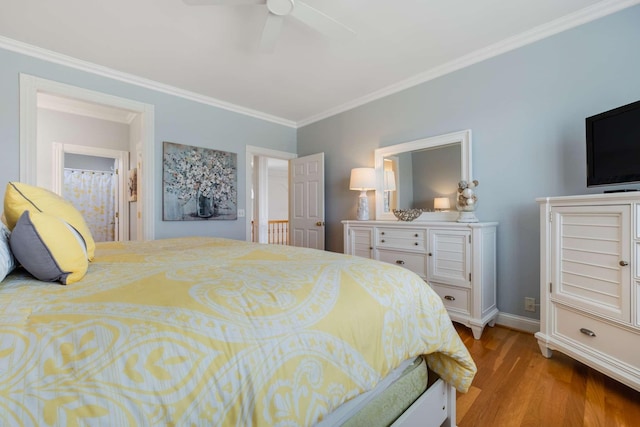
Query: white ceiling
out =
(210, 52)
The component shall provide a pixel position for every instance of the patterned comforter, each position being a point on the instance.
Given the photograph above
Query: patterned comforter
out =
(208, 331)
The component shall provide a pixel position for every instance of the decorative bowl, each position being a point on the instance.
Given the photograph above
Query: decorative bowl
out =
(407, 214)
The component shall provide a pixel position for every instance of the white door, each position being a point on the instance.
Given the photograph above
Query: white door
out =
(306, 207)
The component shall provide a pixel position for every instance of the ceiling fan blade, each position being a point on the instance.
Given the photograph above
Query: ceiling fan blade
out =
(320, 21)
(221, 2)
(271, 32)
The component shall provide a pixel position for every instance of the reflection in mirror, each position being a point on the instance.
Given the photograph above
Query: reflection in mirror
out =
(422, 171)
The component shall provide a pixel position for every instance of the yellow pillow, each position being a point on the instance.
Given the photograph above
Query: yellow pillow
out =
(49, 248)
(20, 197)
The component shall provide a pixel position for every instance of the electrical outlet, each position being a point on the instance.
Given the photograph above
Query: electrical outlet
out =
(529, 304)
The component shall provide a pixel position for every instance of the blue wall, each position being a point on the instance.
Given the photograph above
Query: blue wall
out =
(526, 109)
(176, 120)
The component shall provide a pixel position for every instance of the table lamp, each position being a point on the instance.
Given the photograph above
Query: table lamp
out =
(363, 180)
(441, 204)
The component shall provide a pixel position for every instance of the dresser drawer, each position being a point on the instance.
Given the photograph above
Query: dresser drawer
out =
(454, 299)
(408, 239)
(610, 340)
(412, 261)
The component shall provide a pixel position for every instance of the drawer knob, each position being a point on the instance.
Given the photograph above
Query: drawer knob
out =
(416, 235)
(449, 298)
(587, 332)
(416, 243)
(430, 254)
(400, 262)
(382, 233)
(623, 263)
(382, 240)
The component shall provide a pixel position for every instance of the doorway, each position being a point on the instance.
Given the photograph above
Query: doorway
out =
(267, 195)
(35, 155)
(92, 180)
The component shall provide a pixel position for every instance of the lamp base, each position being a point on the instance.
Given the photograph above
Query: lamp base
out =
(363, 207)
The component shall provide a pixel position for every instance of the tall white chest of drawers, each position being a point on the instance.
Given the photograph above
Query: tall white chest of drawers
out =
(458, 260)
(590, 281)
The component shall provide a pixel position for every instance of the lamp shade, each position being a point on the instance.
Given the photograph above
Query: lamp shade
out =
(441, 203)
(389, 181)
(363, 179)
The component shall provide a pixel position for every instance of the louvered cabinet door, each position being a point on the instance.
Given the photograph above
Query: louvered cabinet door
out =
(359, 241)
(590, 259)
(450, 257)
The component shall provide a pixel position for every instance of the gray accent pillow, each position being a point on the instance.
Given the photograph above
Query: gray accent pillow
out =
(49, 248)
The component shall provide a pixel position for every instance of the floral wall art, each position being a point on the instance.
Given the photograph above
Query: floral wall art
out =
(198, 183)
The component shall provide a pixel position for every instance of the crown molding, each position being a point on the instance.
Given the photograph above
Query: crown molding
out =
(588, 14)
(58, 58)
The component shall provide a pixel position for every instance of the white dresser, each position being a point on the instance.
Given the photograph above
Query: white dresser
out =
(590, 281)
(457, 260)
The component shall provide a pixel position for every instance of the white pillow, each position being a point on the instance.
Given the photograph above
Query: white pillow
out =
(7, 261)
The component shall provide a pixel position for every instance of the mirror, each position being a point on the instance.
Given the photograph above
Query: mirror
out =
(413, 174)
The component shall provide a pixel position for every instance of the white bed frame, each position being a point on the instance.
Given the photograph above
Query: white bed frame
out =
(434, 408)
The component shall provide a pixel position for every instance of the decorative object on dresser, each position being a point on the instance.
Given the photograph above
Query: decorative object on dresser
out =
(590, 281)
(363, 180)
(457, 260)
(407, 214)
(467, 201)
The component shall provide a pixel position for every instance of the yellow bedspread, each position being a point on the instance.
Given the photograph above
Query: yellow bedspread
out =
(207, 331)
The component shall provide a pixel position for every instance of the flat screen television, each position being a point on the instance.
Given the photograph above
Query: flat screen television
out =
(613, 146)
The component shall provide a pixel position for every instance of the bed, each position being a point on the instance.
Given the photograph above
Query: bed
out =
(211, 331)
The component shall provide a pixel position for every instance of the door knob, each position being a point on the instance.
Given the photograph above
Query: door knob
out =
(320, 223)
(623, 263)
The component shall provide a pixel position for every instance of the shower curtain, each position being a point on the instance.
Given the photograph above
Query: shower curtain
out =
(93, 194)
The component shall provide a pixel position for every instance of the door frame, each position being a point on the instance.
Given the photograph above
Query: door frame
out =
(29, 88)
(252, 152)
(122, 162)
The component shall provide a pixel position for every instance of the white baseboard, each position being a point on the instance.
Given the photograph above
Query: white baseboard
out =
(520, 323)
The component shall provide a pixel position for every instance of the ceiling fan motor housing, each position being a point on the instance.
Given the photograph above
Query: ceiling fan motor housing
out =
(280, 7)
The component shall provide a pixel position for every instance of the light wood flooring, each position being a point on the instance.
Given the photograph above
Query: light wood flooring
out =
(516, 386)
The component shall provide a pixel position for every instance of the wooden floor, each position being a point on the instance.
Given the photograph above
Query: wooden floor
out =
(516, 386)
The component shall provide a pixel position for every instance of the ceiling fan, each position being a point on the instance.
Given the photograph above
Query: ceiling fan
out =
(278, 10)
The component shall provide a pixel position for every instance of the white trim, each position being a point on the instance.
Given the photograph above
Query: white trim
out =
(588, 14)
(518, 322)
(250, 152)
(58, 58)
(29, 88)
(73, 106)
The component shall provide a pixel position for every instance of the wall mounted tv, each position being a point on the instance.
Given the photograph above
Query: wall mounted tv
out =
(613, 146)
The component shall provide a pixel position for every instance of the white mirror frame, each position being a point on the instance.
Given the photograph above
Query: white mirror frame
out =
(466, 173)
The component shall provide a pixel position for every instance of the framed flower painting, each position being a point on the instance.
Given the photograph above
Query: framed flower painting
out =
(198, 183)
